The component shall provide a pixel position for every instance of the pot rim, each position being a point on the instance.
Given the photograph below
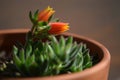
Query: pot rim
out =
(106, 56)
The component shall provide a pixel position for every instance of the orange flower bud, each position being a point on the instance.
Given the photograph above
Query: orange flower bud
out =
(45, 14)
(58, 27)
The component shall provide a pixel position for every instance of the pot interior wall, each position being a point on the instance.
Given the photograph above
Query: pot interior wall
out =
(7, 40)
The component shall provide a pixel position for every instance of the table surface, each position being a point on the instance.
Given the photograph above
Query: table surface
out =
(96, 19)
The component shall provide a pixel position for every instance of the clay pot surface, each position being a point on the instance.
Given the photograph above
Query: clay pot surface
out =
(97, 72)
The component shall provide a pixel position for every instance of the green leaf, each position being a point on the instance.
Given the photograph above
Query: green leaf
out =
(45, 29)
(74, 52)
(31, 17)
(68, 45)
(74, 46)
(42, 58)
(55, 45)
(15, 50)
(30, 60)
(88, 65)
(37, 44)
(42, 23)
(62, 44)
(85, 52)
(84, 47)
(22, 55)
(16, 60)
(62, 47)
(81, 47)
(79, 62)
(53, 39)
(87, 60)
(51, 52)
(28, 50)
(36, 15)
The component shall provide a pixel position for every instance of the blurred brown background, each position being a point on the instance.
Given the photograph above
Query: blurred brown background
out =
(96, 19)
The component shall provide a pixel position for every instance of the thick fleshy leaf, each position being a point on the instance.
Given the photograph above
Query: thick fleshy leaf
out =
(31, 17)
(15, 50)
(36, 15)
(28, 50)
(17, 61)
(68, 45)
(62, 44)
(87, 60)
(22, 55)
(55, 45)
(51, 52)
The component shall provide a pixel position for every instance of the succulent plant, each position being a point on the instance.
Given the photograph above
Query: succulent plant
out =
(49, 58)
(43, 54)
(52, 57)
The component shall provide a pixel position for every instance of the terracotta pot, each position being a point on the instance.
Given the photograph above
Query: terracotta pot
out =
(97, 72)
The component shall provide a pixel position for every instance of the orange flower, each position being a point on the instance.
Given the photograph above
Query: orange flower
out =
(45, 14)
(58, 27)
